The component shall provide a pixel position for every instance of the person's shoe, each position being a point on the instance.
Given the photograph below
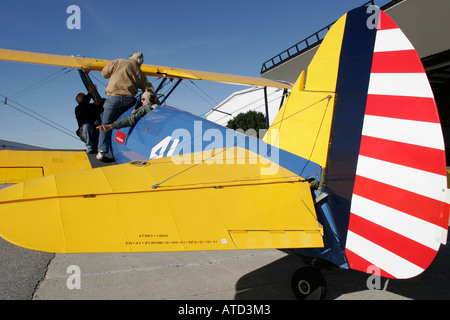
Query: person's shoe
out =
(100, 155)
(90, 151)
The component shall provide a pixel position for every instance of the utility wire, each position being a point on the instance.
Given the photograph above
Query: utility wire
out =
(47, 121)
(33, 114)
(245, 106)
(40, 83)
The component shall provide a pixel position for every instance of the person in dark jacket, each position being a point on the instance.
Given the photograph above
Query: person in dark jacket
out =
(88, 117)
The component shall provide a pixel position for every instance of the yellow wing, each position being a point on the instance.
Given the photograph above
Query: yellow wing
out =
(149, 70)
(200, 207)
(21, 165)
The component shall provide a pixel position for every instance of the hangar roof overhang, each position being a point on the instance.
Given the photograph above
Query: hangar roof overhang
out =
(425, 23)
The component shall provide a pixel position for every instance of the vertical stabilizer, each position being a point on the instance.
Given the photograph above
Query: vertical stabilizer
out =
(398, 215)
(367, 116)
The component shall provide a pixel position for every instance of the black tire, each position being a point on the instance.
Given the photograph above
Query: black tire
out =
(308, 283)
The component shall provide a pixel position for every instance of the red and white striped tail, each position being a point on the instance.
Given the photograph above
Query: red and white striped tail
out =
(399, 214)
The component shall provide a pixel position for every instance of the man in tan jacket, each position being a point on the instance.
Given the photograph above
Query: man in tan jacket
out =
(125, 78)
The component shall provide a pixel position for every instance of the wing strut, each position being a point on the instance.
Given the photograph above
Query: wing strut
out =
(87, 81)
(267, 108)
(285, 91)
(171, 90)
(161, 85)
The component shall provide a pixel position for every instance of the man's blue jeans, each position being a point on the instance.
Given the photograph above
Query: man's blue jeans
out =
(89, 135)
(112, 109)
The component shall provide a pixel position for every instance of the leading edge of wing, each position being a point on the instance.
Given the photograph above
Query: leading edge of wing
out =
(201, 207)
(149, 70)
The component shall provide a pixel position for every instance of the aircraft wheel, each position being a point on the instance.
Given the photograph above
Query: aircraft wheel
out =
(308, 283)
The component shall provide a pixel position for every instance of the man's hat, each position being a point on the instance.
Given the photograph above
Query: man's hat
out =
(138, 56)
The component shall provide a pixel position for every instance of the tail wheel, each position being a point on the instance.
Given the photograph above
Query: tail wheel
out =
(308, 283)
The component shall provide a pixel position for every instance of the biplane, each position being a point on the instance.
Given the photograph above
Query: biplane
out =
(351, 173)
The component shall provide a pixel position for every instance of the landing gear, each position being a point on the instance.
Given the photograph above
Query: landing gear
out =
(308, 283)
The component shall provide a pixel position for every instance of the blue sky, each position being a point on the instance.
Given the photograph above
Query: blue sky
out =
(231, 36)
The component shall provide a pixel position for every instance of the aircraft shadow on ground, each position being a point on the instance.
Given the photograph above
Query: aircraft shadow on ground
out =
(273, 281)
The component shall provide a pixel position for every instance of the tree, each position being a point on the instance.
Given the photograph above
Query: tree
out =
(249, 120)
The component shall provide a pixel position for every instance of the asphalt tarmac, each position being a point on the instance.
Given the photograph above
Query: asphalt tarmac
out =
(204, 275)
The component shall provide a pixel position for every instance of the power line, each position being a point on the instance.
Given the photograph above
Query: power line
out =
(247, 105)
(50, 122)
(40, 83)
(33, 114)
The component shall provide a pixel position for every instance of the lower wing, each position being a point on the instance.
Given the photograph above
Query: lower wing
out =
(161, 206)
(22, 165)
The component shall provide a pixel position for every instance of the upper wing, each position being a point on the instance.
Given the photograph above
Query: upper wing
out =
(150, 70)
(197, 207)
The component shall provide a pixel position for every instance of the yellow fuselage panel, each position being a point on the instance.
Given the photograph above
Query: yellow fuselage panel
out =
(303, 125)
(323, 69)
(15, 175)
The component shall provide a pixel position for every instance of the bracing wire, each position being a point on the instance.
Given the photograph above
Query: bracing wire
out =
(214, 101)
(211, 101)
(98, 80)
(217, 125)
(156, 185)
